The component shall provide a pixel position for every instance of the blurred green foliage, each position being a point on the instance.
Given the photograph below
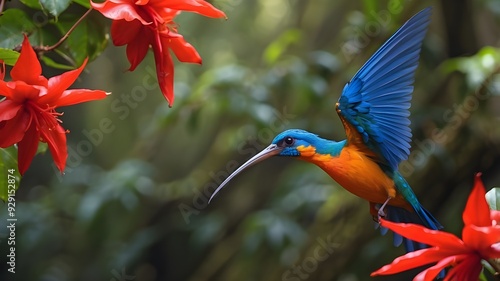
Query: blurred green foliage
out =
(132, 204)
(8, 164)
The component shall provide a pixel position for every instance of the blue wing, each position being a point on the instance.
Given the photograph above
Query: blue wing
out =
(374, 104)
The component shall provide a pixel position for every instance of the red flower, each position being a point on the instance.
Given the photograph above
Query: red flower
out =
(27, 114)
(480, 241)
(143, 23)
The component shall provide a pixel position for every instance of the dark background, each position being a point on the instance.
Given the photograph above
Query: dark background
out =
(132, 204)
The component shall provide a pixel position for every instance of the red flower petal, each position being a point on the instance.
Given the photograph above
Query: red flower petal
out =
(27, 67)
(477, 211)
(431, 273)
(495, 217)
(413, 260)
(58, 84)
(75, 96)
(495, 248)
(5, 90)
(13, 130)
(138, 48)
(424, 235)
(197, 6)
(27, 148)
(468, 269)
(165, 74)
(168, 16)
(56, 140)
(124, 32)
(21, 92)
(184, 51)
(8, 109)
(119, 11)
(480, 239)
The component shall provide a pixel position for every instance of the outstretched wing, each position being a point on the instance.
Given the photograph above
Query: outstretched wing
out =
(374, 104)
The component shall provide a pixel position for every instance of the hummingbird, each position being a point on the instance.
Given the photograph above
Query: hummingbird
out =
(374, 110)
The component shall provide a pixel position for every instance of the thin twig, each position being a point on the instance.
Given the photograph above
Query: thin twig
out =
(50, 48)
(2, 3)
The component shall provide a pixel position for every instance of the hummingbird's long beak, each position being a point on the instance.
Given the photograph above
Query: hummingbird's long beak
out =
(269, 151)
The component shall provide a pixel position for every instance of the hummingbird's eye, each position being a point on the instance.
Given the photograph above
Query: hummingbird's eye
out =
(289, 141)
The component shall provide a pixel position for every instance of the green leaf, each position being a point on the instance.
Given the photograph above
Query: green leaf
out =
(55, 7)
(370, 8)
(278, 47)
(42, 148)
(477, 68)
(9, 174)
(84, 3)
(45, 35)
(493, 198)
(50, 62)
(482, 277)
(8, 56)
(13, 23)
(88, 39)
(34, 4)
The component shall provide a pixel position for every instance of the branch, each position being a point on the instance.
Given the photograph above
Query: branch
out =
(44, 49)
(2, 3)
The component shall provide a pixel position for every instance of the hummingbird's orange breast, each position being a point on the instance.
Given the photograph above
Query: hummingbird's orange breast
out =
(355, 171)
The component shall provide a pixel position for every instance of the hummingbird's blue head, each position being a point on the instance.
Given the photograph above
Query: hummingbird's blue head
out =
(296, 142)
(292, 142)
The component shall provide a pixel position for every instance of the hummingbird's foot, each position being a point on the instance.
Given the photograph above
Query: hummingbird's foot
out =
(381, 213)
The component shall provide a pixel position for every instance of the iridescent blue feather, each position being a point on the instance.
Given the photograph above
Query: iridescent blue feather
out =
(377, 99)
(376, 102)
